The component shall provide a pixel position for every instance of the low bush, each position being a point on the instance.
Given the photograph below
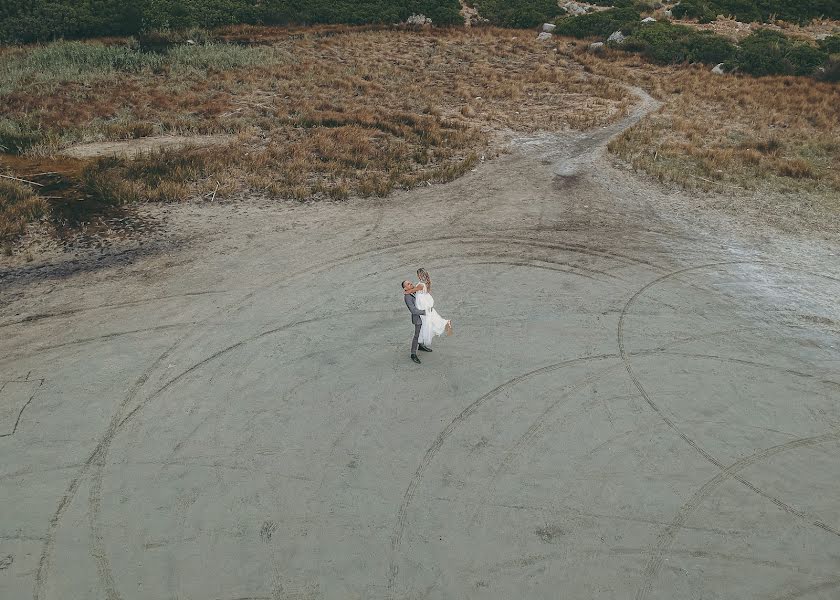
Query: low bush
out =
(40, 20)
(518, 13)
(830, 45)
(831, 70)
(798, 11)
(600, 24)
(665, 43)
(767, 52)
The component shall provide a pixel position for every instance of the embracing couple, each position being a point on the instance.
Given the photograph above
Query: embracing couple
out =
(427, 322)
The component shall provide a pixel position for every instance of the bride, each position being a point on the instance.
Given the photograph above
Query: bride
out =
(433, 323)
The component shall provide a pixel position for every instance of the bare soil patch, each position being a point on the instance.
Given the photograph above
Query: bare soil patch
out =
(147, 145)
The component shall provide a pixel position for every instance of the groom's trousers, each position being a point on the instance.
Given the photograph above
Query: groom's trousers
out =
(414, 341)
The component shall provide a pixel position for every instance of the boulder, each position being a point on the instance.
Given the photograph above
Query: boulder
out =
(575, 9)
(418, 21)
(549, 27)
(648, 20)
(597, 47)
(544, 36)
(617, 38)
(667, 12)
(718, 69)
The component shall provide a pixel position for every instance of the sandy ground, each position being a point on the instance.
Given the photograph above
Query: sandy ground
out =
(147, 145)
(640, 401)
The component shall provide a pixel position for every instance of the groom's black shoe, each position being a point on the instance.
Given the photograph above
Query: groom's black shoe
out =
(415, 359)
(423, 348)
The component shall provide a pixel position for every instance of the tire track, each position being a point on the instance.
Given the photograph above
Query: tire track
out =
(537, 427)
(117, 421)
(90, 340)
(669, 534)
(623, 353)
(75, 311)
(811, 589)
(98, 543)
(95, 500)
(431, 452)
(23, 408)
(667, 537)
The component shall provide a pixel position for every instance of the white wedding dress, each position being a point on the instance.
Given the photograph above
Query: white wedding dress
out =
(433, 323)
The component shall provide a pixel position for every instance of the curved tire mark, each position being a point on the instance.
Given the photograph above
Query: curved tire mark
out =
(666, 537)
(408, 496)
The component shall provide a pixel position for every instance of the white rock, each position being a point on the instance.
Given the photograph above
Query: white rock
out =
(597, 47)
(718, 70)
(648, 20)
(617, 38)
(549, 27)
(574, 9)
(418, 20)
(191, 42)
(544, 36)
(667, 12)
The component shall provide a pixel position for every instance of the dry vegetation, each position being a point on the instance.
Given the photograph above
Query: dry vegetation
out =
(325, 113)
(336, 111)
(736, 31)
(19, 205)
(733, 134)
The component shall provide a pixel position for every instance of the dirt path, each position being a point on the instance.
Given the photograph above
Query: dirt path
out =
(640, 401)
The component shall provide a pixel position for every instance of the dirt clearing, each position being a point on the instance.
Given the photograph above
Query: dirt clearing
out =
(640, 400)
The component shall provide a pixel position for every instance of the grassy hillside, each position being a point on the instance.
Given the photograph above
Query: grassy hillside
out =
(39, 20)
(796, 11)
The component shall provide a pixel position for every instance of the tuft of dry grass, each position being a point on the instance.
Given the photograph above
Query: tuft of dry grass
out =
(730, 132)
(19, 205)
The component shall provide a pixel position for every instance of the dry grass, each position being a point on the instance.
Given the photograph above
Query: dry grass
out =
(19, 205)
(736, 30)
(770, 133)
(317, 113)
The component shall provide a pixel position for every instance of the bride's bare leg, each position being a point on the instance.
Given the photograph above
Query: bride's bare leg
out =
(449, 328)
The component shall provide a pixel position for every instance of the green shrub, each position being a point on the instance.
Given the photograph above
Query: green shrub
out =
(830, 45)
(41, 20)
(518, 13)
(797, 11)
(600, 24)
(665, 43)
(767, 52)
(832, 69)
(695, 9)
(17, 136)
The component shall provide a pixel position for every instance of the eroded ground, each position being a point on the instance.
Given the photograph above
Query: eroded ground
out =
(640, 400)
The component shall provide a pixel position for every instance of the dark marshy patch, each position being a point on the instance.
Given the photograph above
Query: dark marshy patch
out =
(568, 182)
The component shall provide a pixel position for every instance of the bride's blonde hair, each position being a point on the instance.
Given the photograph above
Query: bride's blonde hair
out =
(423, 275)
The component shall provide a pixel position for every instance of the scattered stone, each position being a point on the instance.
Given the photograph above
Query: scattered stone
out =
(191, 42)
(648, 20)
(617, 38)
(549, 27)
(575, 9)
(418, 21)
(544, 36)
(718, 69)
(597, 47)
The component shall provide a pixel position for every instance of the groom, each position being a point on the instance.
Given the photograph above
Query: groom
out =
(416, 320)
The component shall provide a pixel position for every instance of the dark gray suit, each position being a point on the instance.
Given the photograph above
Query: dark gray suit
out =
(411, 303)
